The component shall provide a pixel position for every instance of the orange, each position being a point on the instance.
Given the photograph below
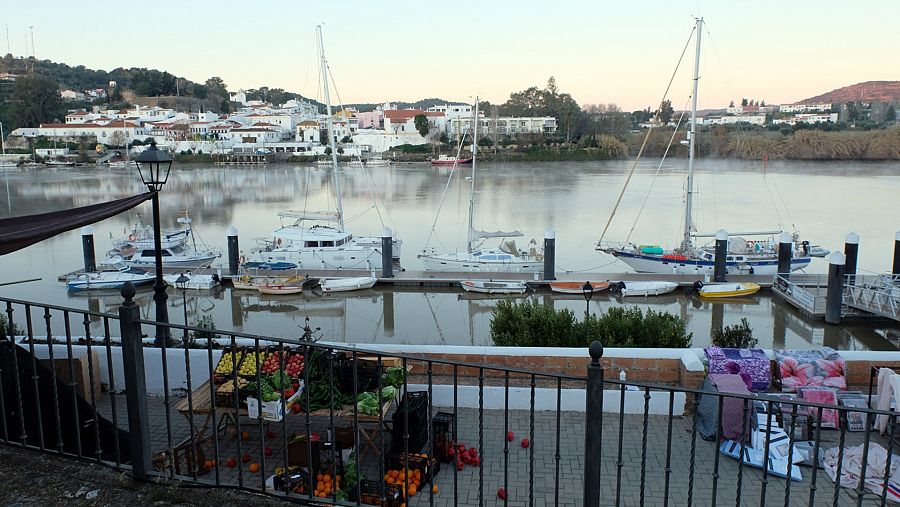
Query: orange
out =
(245, 435)
(434, 489)
(326, 478)
(412, 490)
(254, 467)
(319, 477)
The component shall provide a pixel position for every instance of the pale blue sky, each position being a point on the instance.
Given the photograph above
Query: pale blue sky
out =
(600, 52)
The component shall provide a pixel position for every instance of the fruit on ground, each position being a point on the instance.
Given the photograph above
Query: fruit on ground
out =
(434, 489)
(509, 436)
(254, 467)
(231, 463)
(525, 443)
(501, 493)
(246, 458)
(267, 451)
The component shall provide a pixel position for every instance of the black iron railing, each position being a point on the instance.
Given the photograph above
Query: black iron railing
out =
(540, 437)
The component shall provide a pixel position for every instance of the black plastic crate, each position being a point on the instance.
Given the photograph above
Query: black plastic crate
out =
(413, 409)
(292, 481)
(370, 494)
(442, 435)
(428, 467)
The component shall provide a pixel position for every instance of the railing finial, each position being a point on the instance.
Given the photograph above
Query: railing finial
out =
(596, 351)
(128, 293)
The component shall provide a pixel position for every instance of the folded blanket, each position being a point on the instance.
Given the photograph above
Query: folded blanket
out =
(734, 425)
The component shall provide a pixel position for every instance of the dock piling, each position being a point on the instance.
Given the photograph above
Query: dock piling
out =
(896, 269)
(851, 251)
(785, 244)
(87, 247)
(719, 267)
(550, 255)
(387, 254)
(835, 291)
(233, 250)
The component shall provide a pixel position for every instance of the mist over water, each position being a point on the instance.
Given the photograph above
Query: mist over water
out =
(823, 201)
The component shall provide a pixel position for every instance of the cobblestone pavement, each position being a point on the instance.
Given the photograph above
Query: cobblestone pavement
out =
(537, 465)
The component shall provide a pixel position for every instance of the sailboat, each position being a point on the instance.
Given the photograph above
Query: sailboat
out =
(743, 256)
(505, 258)
(326, 244)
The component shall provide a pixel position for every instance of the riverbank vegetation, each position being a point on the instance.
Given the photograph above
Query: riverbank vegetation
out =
(532, 324)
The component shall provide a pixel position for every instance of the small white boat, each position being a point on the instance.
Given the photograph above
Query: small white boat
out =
(176, 256)
(347, 284)
(494, 286)
(726, 289)
(577, 287)
(123, 164)
(194, 281)
(98, 280)
(8, 163)
(376, 162)
(644, 288)
(280, 285)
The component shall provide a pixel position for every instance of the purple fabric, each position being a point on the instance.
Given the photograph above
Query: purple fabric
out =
(751, 364)
(733, 426)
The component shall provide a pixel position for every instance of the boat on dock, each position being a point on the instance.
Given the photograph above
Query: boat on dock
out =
(494, 286)
(577, 287)
(330, 285)
(725, 290)
(112, 279)
(651, 288)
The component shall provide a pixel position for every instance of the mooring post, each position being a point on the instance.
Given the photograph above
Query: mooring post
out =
(87, 247)
(785, 244)
(387, 253)
(896, 269)
(719, 266)
(135, 384)
(835, 291)
(851, 251)
(550, 255)
(233, 250)
(593, 438)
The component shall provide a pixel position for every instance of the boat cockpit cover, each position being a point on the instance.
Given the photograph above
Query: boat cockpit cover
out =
(17, 233)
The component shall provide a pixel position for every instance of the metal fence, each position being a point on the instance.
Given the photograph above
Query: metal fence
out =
(71, 387)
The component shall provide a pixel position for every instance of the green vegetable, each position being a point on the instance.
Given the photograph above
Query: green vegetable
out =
(279, 380)
(393, 377)
(367, 403)
(388, 393)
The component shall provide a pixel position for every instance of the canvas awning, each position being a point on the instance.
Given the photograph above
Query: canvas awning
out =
(17, 233)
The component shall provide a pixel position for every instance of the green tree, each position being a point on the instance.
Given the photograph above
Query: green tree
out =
(666, 112)
(421, 123)
(744, 102)
(36, 100)
(890, 114)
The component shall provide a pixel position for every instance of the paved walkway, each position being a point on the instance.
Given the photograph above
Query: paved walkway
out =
(519, 470)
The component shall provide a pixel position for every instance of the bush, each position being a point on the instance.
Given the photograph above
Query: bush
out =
(530, 324)
(6, 331)
(738, 336)
(208, 325)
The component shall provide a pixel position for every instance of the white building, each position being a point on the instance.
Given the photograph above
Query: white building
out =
(307, 132)
(753, 119)
(239, 96)
(397, 121)
(804, 108)
(807, 118)
(284, 121)
(454, 111)
(116, 132)
(505, 125)
(258, 133)
(72, 95)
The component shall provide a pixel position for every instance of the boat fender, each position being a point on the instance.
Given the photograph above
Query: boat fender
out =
(278, 241)
(698, 285)
(132, 237)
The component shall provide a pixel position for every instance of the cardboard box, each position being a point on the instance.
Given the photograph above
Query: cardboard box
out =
(272, 410)
(81, 371)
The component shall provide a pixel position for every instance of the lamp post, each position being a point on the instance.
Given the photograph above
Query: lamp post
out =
(154, 166)
(588, 291)
(181, 284)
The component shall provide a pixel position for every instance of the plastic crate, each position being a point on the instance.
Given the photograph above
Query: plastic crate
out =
(428, 467)
(442, 435)
(370, 494)
(413, 409)
(293, 481)
(220, 378)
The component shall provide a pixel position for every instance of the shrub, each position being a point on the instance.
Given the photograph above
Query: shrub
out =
(738, 336)
(6, 331)
(206, 323)
(530, 324)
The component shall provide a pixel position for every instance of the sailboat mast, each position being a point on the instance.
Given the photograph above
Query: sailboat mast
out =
(472, 191)
(330, 123)
(688, 202)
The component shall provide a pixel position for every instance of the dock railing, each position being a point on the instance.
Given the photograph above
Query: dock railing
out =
(807, 292)
(877, 294)
(541, 437)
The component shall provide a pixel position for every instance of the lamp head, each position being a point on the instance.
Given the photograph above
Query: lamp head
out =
(588, 290)
(154, 166)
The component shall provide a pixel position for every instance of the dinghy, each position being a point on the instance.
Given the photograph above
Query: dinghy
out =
(577, 287)
(644, 288)
(293, 285)
(725, 290)
(195, 281)
(494, 286)
(109, 279)
(347, 284)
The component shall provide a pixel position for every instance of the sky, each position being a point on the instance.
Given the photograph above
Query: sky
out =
(621, 52)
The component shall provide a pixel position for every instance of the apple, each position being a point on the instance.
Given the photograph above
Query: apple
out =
(231, 463)
(246, 458)
(525, 443)
(267, 451)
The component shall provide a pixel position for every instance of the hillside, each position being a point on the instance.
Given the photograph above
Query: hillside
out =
(869, 91)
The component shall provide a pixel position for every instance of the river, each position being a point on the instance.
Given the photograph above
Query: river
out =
(823, 201)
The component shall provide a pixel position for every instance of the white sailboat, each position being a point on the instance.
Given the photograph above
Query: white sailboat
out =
(505, 258)
(326, 244)
(743, 256)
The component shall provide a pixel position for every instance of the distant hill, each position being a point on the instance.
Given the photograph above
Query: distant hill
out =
(419, 104)
(869, 91)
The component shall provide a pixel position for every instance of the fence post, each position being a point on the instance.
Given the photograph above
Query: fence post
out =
(593, 428)
(135, 384)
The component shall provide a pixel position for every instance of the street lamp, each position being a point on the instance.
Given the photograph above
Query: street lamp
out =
(154, 166)
(588, 290)
(181, 284)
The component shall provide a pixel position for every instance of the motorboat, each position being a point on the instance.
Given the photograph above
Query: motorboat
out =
(630, 288)
(505, 258)
(329, 285)
(141, 237)
(8, 164)
(113, 279)
(577, 287)
(377, 162)
(450, 160)
(726, 289)
(181, 256)
(494, 286)
(60, 163)
(194, 281)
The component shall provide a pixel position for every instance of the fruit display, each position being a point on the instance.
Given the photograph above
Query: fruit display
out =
(227, 362)
(405, 478)
(225, 392)
(291, 361)
(248, 365)
(464, 456)
(325, 486)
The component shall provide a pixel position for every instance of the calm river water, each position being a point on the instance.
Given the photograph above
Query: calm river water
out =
(823, 201)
